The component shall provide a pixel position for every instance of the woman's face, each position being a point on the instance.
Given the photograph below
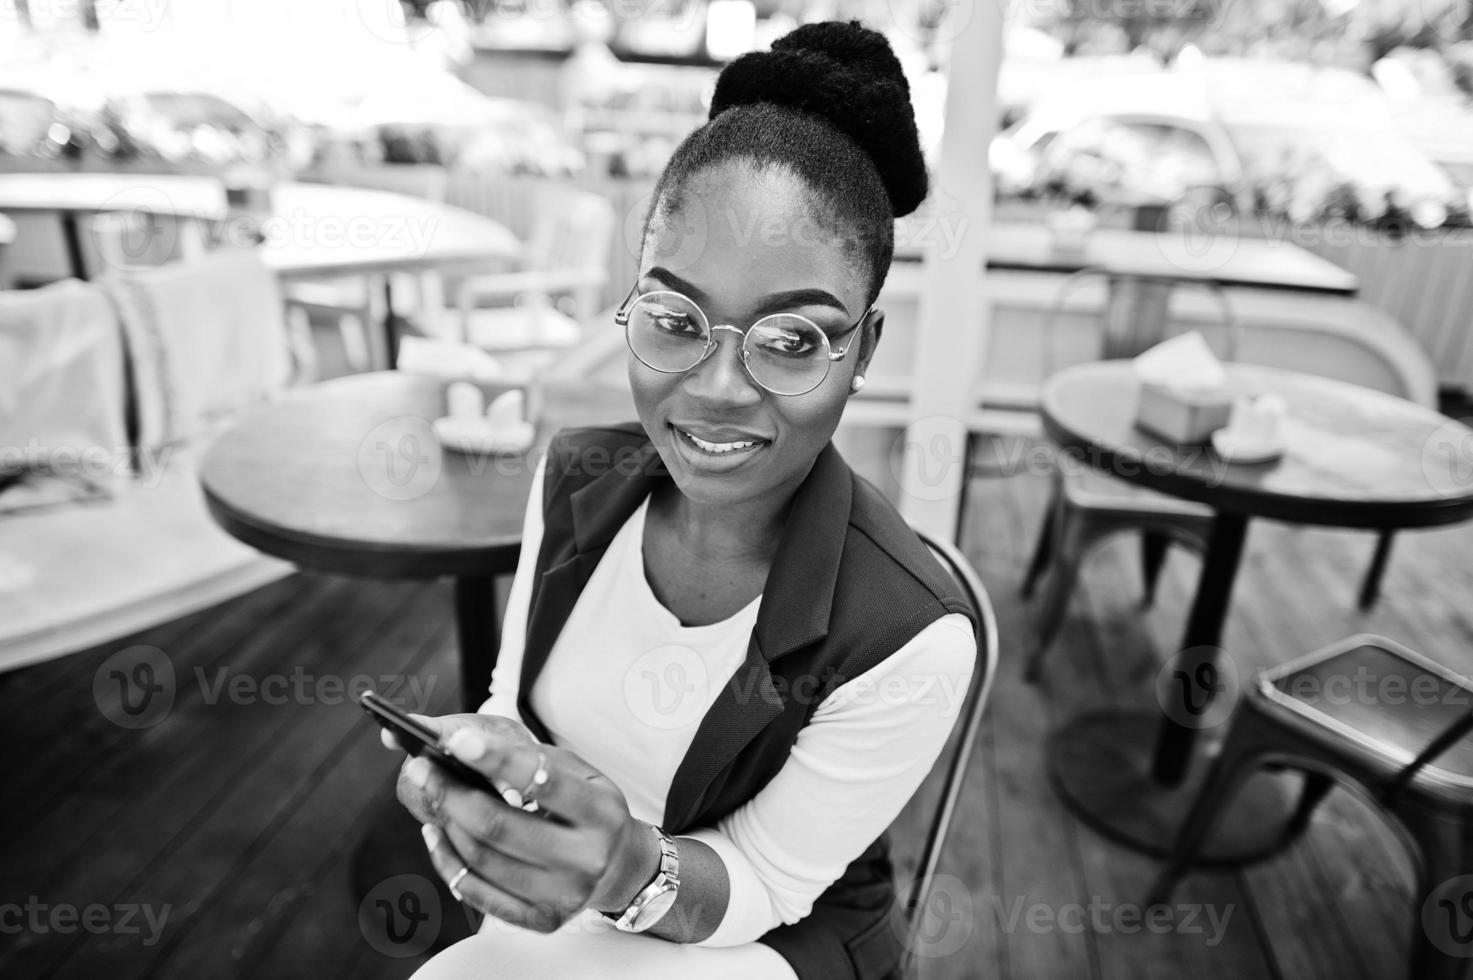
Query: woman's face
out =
(743, 246)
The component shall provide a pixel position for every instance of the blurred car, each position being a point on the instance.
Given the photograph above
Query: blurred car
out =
(183, 125)
(32, 125)
(1306, 143)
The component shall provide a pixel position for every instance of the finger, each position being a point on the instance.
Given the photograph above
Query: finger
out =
(434, 724)
(527, 837)
(531, 882)
(573, 790)
(486, 897)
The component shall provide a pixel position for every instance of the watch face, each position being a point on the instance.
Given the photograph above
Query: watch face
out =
(655, 910)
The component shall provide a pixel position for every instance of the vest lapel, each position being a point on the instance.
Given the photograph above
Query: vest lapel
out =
(806, 566)
(597, 511)
(804, 569)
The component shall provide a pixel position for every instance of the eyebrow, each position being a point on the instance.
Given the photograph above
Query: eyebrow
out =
(774, 303)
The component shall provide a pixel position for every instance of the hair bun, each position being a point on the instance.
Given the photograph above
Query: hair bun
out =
(847, 74)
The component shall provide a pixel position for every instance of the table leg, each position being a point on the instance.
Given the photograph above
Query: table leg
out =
(1132, 775)
(1197, 665)
(72, 233)
(476, 625)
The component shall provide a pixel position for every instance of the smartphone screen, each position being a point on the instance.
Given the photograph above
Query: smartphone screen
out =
(420, 740)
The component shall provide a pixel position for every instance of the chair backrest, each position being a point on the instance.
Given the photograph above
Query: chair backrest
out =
(572, 229)
(975, 703)
(62, 384)
(204, 339)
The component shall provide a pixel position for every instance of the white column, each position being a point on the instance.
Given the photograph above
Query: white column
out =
(954, 321)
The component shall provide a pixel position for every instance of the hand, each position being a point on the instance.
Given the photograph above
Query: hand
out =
(445, 726)
(581, 849)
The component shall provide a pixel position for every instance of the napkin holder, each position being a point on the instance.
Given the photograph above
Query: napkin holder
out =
(1184, 416)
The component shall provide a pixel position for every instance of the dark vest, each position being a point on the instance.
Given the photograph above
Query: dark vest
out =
(858, 585)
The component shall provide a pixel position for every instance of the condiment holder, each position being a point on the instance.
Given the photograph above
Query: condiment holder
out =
(1254, 433)
(1183, 394)
(503, 426)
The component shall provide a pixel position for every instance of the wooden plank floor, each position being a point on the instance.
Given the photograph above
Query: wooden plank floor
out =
(233, 816)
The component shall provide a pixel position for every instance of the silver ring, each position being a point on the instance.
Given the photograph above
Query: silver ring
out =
(457, 879)
(526, 797)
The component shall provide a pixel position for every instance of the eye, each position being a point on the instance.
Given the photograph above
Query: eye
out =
(673, 321)
(785, 340)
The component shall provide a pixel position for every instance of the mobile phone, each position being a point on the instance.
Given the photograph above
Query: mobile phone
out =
(417, 739)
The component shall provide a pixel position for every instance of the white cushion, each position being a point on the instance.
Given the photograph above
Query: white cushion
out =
(521, 328)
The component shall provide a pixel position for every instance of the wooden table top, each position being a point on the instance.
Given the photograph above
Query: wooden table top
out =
(348, 476)
(1353, 457)
(1253, 262)
(322, 229)
(90, 193)
(313, 230)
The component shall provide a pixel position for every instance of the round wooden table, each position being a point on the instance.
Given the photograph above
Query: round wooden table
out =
(1353, 458)
(347, 476)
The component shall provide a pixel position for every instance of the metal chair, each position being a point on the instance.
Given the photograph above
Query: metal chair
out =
(913, 904)
(1086, 506)
(567, 256)
(1405, 752)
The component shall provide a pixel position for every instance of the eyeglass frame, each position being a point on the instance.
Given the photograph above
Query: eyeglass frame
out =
(621, 317)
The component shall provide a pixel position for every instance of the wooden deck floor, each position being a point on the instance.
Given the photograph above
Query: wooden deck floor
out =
(233, 825)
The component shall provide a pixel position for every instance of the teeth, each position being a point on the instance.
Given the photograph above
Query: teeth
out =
(717, 447)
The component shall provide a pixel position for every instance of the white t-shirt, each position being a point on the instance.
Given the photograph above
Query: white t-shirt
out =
(626, 686)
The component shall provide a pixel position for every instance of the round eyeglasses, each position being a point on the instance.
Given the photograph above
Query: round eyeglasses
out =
(785, 353)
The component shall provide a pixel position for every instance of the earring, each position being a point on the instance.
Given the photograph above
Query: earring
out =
(857, 383)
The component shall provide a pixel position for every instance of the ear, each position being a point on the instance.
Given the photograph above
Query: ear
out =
(869, 339)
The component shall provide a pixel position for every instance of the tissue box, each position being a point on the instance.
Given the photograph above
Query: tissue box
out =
(1182, 416)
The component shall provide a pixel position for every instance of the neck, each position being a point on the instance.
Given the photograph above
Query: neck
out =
(748, 531)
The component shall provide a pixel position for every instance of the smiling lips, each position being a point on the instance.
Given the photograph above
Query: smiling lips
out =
(720, 448)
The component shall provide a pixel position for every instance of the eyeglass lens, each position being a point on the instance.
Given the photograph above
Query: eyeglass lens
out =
(785, 353)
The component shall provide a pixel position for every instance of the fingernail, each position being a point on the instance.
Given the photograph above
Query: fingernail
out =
(418, 771)
(467, 745)
(431, 834)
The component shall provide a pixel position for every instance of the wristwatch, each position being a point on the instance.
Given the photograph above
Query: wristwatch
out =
(656, 898)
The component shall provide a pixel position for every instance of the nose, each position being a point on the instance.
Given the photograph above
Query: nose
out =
(722, 379)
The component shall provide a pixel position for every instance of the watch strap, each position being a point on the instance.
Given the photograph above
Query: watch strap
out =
(667, 879)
